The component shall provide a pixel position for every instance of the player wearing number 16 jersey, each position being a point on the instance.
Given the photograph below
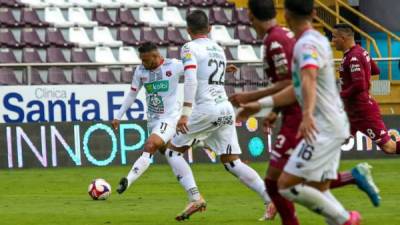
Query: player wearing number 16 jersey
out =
(207, 115)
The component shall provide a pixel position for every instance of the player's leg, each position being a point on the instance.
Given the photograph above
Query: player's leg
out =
(225, 143)
(161, 133)
(315, 163)
(284, 144)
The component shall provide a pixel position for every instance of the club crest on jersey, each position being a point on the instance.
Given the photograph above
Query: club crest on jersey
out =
(168, 73)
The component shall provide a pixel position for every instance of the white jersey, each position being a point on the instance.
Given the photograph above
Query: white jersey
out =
(313, 50)
(209, 59)
(161, 86)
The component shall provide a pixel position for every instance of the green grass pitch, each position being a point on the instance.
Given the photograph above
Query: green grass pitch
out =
(59, 196)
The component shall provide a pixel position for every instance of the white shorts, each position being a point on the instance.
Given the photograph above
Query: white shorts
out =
(215, 126)
(317, 162)
(164, 128)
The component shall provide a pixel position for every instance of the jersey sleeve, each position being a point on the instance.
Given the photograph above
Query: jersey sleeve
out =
(276, 53)
(307, 56)
(179, 68)
(374, 68)
(190, 73)
(136, 81)
(188, 57)
(357, 75)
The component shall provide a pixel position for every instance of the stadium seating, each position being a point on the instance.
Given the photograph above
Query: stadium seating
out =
(78, 17)
(78, 36)
(127, 74)
(179, 3)
(220, 34)
(153, 3)
(30, 17)
(84, 3)
(130, 3)
(246, 53)
(79, 55)
(105, 76)
(128, 55)
(56, 76)
(108, 3)
(7, 56)
(174, 52)
(125, 17)
(126, 35)
(81, 76)
(60, 3)
(148, 34)
(54, 16)
(54, 37)
(243, 33)
(103, 18)
(172, 35)
(103, 36)
(7, 18)
(104, 54)
(29, 37)
(35, 3)
(149, 16)
(11, 3)
(7, 39)
(217, 16)
(7, 77)
(239, 16)
(172, 16)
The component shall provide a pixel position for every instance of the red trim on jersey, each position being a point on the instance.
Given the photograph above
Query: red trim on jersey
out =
(133, 89)
(190, 67)
(310, 66)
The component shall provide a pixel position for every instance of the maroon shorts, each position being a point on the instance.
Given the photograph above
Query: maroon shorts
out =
(284, 144)
(374, 128)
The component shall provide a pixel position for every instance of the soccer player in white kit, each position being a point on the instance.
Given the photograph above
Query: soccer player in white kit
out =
(325, 126)
(207, 115)
(160, 78)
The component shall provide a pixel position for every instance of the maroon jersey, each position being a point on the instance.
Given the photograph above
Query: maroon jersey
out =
(278, 45)
(355, 75)
(355, 78)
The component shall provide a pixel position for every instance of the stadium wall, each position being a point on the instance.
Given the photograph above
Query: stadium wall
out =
(76, 131)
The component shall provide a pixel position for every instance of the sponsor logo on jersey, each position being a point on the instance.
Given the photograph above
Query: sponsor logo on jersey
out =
(355, 68)
(157, 86)
(168, 73)
(353, 59)
(275, 45)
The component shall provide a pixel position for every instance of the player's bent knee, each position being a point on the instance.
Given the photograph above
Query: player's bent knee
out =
(389, 147)
(287, 180)
(152, 147)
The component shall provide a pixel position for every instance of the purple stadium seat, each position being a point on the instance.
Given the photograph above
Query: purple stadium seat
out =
(30, 17)
(55, 55)
(36, 78)
(218, 16)
(7, 77)
(228, 53)
(7, 56)
(55, 38)
(202, 3)
(178, 3)
(103, 18)
(7, 39)
(174, 52)
(31, 55)
(79, 55)
(56, 76)
(240, 16)
(105, 76)
(7, 19)
(148, 34)
(230, 90)
(125, 34)
(224, 3)
(125, 17)
(11, 4)
(250, 75)
(243, 33)
(173, 35)
(81, 76)
(29, 37)
(127, 74)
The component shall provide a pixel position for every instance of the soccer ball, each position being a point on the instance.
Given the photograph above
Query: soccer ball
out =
(99, 189)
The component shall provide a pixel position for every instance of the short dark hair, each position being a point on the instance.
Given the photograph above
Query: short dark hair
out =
(345, 28)
(300, 7)
(147, 47)
(262, 9)
(197, 21)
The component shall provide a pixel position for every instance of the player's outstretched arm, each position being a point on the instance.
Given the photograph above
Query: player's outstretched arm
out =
(246, 97)
(129, 99)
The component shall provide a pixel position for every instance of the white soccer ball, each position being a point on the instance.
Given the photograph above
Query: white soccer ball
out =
(99, 189)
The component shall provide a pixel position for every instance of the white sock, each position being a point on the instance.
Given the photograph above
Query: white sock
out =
(249, 177)
(138, 168)
(329, 195)
(183, 173)
(316, 201)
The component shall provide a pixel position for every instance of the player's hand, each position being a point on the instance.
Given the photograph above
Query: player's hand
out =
(269, 122)
(231, 69)
(308, 129)
(239, 98)
(182, 124)
(247, 110)
(115, 124)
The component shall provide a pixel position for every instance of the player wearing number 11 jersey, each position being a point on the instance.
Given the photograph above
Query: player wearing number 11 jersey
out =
(207, 115)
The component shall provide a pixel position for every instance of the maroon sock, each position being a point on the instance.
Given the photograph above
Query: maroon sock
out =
(283, 206)
(344, 178)
(398, 147)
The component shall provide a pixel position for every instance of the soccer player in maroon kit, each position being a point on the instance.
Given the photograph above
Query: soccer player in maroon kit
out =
(355, 79)
(278, 45)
